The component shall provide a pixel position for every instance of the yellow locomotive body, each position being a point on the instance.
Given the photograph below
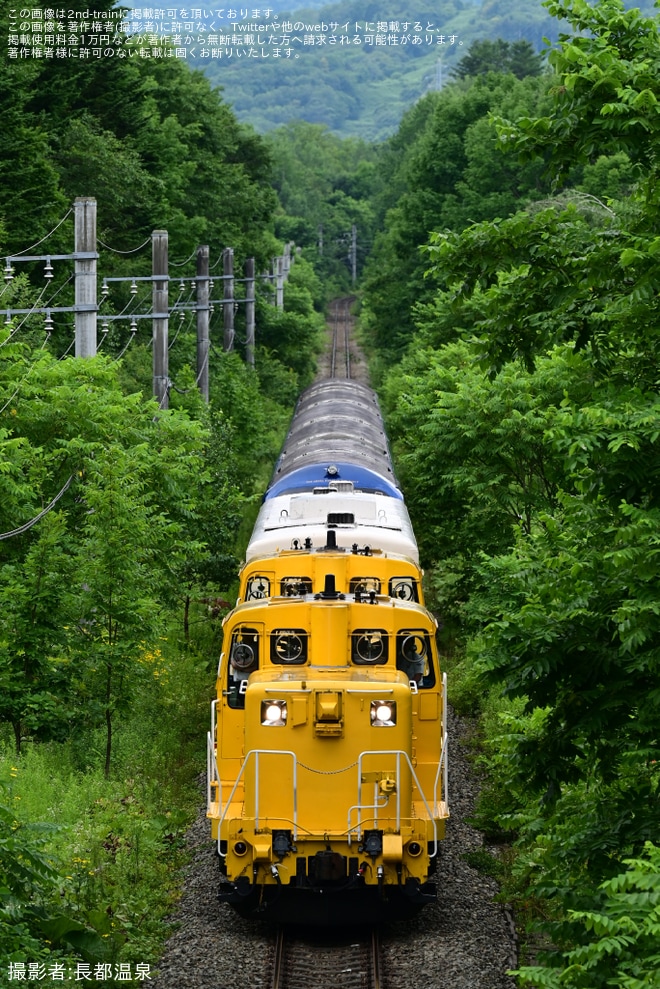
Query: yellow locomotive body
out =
(327, 750)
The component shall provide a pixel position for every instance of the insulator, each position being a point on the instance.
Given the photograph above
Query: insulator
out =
(48, 270)
(104, 327)
(133, 326)
(48, 323)
(105, 289)
(134, 287)
(182, 286)
(9, 271)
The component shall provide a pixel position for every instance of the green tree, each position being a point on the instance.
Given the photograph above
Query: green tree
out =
(623, 935)
(451, 174)
(534, 394)
(517, 57)
(33, 591)
(607, 89)
(85, 587)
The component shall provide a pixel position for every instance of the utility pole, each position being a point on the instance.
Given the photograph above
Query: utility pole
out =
(249, 311)
(438, 74)
(203, 321)
(228, 297)
(279, 283)
(354, 253)
(85, 275)
(160, 316)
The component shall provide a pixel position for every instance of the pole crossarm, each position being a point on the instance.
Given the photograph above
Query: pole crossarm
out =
(45, 311)
(131, 316)
(140, 278)
(87, 307)
(76, 256)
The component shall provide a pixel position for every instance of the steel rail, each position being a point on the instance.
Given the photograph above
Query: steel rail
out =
(335, 320)
(376, 959)
(347, 307)
(278, 965)
(369, 974)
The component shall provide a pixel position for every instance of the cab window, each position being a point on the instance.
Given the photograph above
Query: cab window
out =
(257, 588)
(288, 646)
(414, 656)
(243, 660)
(362, 587)
(404, 588)
(369, 647)
(294, 587)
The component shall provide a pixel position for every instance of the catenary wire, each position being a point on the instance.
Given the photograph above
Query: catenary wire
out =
(17, 254)
(28, 525)
(115, 250)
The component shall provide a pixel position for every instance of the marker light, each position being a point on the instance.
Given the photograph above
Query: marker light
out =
(383, 714)
(273, 713)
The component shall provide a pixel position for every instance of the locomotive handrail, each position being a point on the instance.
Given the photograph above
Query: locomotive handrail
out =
(443, 764)
(211, 761)
(256, 753)
(359, 807)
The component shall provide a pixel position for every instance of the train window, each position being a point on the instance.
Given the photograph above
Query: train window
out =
(363, 586)
(414, 656)
(404, 588)
(288, 646)
(257, 587)
(243, 660)
(294, 587)
(369, 647)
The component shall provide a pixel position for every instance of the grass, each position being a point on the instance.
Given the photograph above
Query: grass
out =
(119, 843)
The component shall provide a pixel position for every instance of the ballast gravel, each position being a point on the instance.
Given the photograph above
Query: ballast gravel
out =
(465, 941)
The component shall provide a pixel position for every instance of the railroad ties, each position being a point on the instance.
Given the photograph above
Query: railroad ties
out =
(302, 963)
(340, 313)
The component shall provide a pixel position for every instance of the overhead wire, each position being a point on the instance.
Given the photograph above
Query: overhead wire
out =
(17, 254)
(19, 386)
(68, 349)
(124, 348)
(115, 250)
(180, 264)
(28, 525)
(25, 317)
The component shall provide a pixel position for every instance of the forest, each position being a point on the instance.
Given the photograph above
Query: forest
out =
(508, 292)
(362, 87)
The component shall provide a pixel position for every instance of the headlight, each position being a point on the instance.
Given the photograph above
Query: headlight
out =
(273, 713)
(383, 714)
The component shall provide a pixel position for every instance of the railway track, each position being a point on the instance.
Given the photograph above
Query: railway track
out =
(340, 314)
(303, 964)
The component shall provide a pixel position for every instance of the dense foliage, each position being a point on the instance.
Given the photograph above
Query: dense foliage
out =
(326, 186)
(517, 349)
(442, 170)
(121, 522)
(361, 89)
(527, 422)
(151, 140)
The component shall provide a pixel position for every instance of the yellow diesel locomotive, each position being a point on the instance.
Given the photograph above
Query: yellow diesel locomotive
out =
(327, 754)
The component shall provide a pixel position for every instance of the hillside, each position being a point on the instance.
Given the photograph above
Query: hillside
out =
(354, 85)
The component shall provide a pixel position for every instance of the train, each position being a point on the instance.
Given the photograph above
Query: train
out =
(327, 752)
